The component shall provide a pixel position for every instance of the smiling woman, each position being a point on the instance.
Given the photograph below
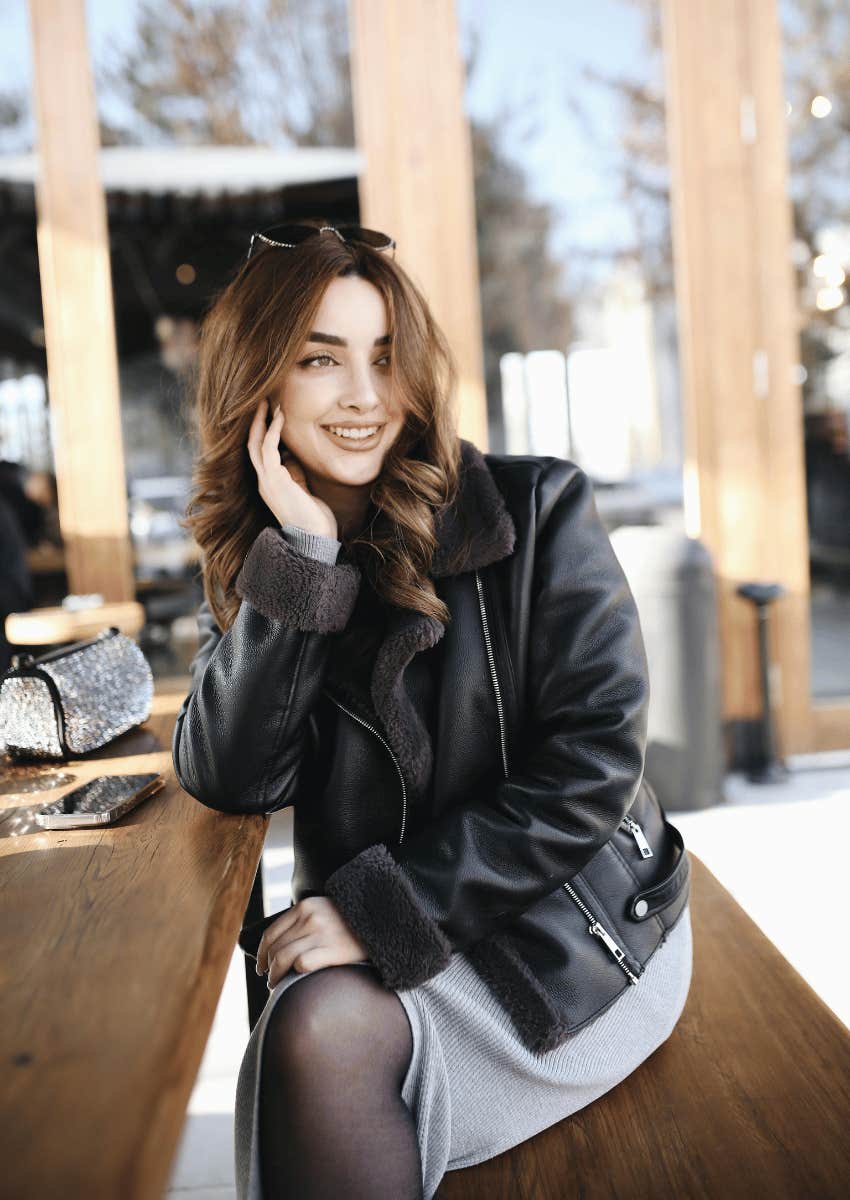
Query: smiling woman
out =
(307, 331)
(452, 776)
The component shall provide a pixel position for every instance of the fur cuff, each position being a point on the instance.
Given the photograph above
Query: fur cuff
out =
(377, 901)
(284, 585)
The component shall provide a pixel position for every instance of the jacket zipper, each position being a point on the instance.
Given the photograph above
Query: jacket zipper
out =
(637, 833)
(357, 717)
(493, 672)
(597, 929)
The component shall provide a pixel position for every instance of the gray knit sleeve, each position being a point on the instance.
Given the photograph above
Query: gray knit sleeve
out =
(314, 545)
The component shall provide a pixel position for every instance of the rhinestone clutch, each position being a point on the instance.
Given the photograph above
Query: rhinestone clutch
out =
(75, 699)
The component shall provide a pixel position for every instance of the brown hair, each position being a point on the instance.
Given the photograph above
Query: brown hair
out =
(251, 332)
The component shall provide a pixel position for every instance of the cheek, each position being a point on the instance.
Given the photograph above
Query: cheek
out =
(303, 402)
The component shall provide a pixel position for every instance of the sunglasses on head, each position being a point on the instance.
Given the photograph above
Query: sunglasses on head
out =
(288, 236)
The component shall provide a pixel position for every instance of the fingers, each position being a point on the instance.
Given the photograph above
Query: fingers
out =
(270, 452)
(272, 934)
(282, 960)
(263, 441)
(256, 433)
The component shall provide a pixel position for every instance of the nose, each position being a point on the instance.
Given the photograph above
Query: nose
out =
(362, 393)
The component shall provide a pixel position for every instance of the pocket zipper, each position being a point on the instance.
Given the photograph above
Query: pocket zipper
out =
(597, 929)
(637, 833)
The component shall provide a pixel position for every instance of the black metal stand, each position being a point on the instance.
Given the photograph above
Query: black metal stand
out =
(255, 985)
(767, 766)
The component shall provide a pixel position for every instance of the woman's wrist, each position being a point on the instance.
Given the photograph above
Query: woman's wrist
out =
(315, 545)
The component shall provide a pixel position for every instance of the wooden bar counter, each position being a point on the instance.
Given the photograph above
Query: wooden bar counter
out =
(114, 945)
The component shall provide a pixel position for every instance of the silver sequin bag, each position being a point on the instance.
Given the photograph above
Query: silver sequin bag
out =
(75, 699)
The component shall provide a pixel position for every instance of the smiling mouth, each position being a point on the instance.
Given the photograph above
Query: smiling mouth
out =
(355, 440)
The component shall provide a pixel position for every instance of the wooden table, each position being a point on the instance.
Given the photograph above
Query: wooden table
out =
(114, 947)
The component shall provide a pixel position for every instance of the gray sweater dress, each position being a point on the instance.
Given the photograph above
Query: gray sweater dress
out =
(474, 1089)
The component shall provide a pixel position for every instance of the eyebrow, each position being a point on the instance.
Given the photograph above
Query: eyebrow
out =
(332, 340)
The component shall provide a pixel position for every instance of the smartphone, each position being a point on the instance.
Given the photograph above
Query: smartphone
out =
(101, 801)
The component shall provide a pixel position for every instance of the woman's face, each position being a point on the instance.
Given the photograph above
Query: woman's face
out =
(341, 378)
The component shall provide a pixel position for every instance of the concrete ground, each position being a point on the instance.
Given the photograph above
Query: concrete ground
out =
(778, 849)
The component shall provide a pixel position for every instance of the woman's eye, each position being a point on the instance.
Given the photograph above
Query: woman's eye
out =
(323, 359)
(316, 358)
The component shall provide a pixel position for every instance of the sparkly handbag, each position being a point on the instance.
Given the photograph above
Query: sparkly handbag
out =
(74, 699)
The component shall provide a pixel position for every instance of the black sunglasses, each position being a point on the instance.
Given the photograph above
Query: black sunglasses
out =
(288, 236)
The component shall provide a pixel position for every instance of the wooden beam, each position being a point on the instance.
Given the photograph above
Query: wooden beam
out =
(73, 254)
(408, 90)
(739, 328)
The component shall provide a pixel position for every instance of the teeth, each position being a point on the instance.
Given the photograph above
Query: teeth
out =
(356, 434)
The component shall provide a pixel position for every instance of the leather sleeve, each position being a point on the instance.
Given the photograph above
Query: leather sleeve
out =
(240, 734)
(581, 764)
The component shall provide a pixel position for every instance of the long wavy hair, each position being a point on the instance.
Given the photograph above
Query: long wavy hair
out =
(250, 336)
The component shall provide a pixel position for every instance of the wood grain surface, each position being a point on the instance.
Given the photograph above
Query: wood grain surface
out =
(114, 947)
(749, 1097)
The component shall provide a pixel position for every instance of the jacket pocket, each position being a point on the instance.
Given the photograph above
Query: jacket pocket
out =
(673, 888)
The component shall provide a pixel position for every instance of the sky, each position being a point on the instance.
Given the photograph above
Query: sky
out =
(531, 55)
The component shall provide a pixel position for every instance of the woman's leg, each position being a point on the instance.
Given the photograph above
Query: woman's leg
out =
(332, 1120)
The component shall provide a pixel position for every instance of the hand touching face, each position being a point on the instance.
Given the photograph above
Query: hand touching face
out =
(283, 486)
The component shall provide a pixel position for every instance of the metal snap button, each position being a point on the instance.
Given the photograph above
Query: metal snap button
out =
(641, 908)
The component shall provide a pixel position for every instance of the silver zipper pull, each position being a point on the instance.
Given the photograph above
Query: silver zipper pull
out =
(599, 930)
(637, 833)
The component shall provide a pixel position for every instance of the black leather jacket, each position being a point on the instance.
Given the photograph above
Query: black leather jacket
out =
(523, 832)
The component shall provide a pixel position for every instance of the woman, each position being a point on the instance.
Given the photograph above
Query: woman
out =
(433, 655)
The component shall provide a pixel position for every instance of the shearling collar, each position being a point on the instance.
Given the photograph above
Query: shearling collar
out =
(472, 533)
(477, 529)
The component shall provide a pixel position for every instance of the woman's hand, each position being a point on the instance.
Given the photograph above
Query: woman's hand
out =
(310, 934)
(284, 489)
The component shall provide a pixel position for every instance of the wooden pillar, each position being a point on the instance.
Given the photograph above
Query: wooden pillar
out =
(739, 328)
(408, 90)
(73, 254)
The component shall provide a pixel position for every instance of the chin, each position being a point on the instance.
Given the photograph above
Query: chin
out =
(365, 471)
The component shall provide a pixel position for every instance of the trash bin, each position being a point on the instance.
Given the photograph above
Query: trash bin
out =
(672, 579)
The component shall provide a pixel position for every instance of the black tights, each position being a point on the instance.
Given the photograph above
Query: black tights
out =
(332, 1121)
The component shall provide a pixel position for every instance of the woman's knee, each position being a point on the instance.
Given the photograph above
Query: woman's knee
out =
(340, 1015)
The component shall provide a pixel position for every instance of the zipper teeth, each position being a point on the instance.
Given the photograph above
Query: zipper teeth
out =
(392, 756)
(493, 672)
(596, 923)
